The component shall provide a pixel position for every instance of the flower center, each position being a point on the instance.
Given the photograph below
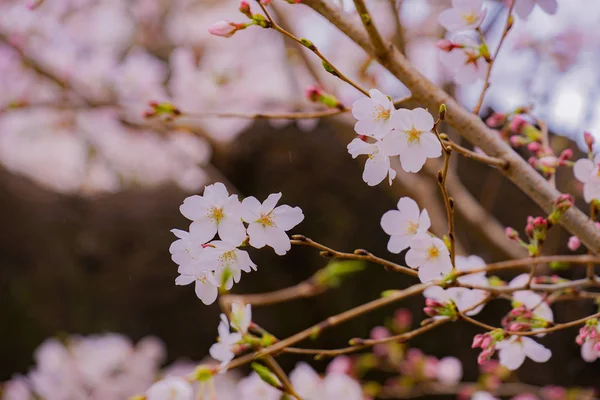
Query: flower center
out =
(202, 278)
(266, 220)
(469, 18)
(227, 258)
(216, 214)
(471, 58)
(433, 253)
(412, 228)
(413, 135)
(381, 113)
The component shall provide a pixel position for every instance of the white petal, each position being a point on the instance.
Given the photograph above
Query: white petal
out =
(591, 191)
(549, 6)
(437, 293)
(428, 274)
(524, 7)
(511, 355)
(287, 217)
(430, 145)
(380, 98)
(376, 169)
(412, 161)
(258, 236)
(535, 351)
(362, 108)
(413, 258)
(278, 240)
(270, 203)
(401, 120)
(193, 207)
(183, 280)
(232, 230)
(359, 147)
(424, 222)
(203, 229)
(397, 243)
(409, 208)
(451, 20)
(390, 222)
(588, 353)
(250, 209)
(207, 292)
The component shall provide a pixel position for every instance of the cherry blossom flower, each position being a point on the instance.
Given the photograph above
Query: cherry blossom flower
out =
(253, 387)
(463, 298)
(173, 388)
(224, 28)
(449, 370)
(334, 385)
(378, 164)
(466, 63)
(513, 351)
(226, 260)
(588, 172)
(373, 114)
(186, 249)
(416, 141)
(404, 223)
(523, 8)
(430, 255)
(531, 300)
(215, 211)
(206, 286)
(268, 224)
(589, 340)
(464, 14)
(223, 350)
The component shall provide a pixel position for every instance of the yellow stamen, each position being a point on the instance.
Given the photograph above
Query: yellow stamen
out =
(266, 220)
(469, 18)
(216, 214)
(433, 252)
(382, 113)
(412, 228)
(413, 135)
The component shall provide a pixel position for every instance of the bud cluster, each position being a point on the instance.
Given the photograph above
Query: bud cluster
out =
(521, 319)
(487, 343)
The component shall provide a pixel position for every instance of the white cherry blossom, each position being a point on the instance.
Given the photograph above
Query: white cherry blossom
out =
(480, 395)
(373, 114)
(404, 223)
(466, 64)
(449, 370)
(589, 352)
(223, 350)
(513, 351)
(588, 172)
(378, 166)
(464, 14)
(475, 296)
(253, 387)
(334, 385)
(215, 211)
(430, 255)
(206, 286)
(416, 141)
(186, 249)
(267, 224)
(463, 298)
(523, 8)
(173, 388)
(226, 260)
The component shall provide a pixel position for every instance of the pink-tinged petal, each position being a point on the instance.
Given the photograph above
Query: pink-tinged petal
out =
(398, 243)
(401, 120)
(287, 217)
(424, 222)
(535, 351)
(390, 222)
(421, 119)
(393, 143)
(204, 230)
(380, 98)
(218, 194)
(437, 293)
(430, 145)
(421, 242)
(583, 169)
(359, 147)
(258, 235)
(549, 6)
(179, 233)
(363, 108)
(588, 352)
(452, 21)
(519, 281)
(232, 230)
(409, 208)
(193, 207)
(591, 191)
(427, 274)
(368, 127)
(183, 280)
(524, 7)
(412, 161)
(250, 209)
(413, 258)
(376, 169)
(270, 203)
(511, 354)
(207, 292)
(278, 240)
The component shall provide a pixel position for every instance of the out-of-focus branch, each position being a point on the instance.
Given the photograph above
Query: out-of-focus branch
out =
(376, 39)
(469, 125)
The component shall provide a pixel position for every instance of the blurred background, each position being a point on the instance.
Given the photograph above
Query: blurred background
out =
(90, 188)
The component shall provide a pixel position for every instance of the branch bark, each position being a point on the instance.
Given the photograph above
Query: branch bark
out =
(470, 126)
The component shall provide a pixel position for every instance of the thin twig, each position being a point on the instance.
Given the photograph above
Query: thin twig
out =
(482, 158)
(380, 47)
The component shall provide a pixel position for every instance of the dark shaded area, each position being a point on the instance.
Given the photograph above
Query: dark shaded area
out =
(77, 265)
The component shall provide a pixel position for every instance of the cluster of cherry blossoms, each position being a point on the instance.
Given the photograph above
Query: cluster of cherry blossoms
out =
(386, 132)
(213, 264)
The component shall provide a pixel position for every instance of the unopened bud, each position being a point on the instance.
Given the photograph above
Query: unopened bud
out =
(564, 202)
(245, 9)
(518, 124)
(534, 147)
(574, 243)
(225, 29)
(511, 233)
(496, 120)
(566, 155)
(517, 141)
(589, 140)
(442, 112)
(445, 45)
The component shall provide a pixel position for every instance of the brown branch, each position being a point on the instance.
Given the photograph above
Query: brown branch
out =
(367, 20)
(482, 158)
(469, 125)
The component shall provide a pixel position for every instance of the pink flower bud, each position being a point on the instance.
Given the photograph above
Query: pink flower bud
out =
(403, 318)
(477, 341)
(597, 346)
(340, 364)
(589, 140)
(517, 141)
(445, 45)
(579, 340)
(430, 311)
(223, 29)
(566, 154)
(549, 161)
(564, 202)
(265, 2)
(540, 222)
(313, 93)
(534, 147)
(486, 342)
(593, 333)
(511, 233)
(485, 356)
(379, 332)
(518, 124)
(245, 9)
(496, 120)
